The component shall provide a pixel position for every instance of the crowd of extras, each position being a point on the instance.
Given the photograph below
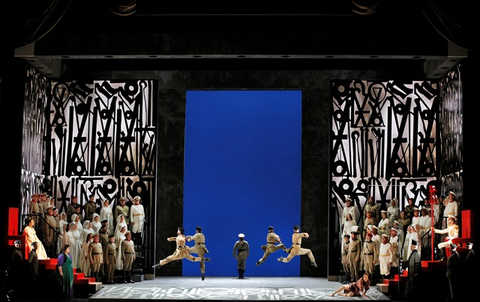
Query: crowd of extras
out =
(384, 246)
(101, 236)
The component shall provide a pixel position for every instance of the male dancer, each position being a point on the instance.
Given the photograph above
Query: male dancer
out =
(271, 245)
(181, 252)
(199, 248)
(297, 249)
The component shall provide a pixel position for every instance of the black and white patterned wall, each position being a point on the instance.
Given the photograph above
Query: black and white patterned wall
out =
(95, 138)
(384, 141)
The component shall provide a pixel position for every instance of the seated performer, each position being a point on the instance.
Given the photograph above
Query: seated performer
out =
(452, 233)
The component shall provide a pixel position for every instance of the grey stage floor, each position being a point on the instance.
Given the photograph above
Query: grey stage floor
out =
(228, 289)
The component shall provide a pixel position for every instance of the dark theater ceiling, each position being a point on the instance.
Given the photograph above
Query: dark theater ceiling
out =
(60, 38)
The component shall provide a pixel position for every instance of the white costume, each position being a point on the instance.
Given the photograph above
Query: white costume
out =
(87, 229)
(121, 222)
(62, 223)
(393, 212)
(425, 222)
(394, 243)
(451, 209)
(119, 238)
(106, 214)
(452, 232)
(75, 243)
(385, 258)
(137, 215)
(412, 236)
(96, 224)
(383, 226)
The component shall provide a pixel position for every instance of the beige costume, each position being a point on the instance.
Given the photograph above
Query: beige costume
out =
(182, 251)
(270, 247)
(297, 249)
(199, 248)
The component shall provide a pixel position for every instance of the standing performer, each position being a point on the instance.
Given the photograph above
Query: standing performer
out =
(296, 249)
(241, 251)
(451, 208)
(137, 220)
(122, 208)
(385, 256)
(394, 244)
(50, 233)
(271, 245)
(374, 210)
(353, 257)
(72, 208)
(110, 258)
(65, 270)
(107, 214)
(369, 255)
(344, 258)
(128, 256)
(349, 208)
(199, 248)
(453, 272)
(34, 209)
(414, 265)
(384, 223)
(90, 207)
(96, 257)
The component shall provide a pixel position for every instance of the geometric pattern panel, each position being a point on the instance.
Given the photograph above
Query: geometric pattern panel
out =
(33, 132)
(98, 138)
(384, 140)
(451, 117)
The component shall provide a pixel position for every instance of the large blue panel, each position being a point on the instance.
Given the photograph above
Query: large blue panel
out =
(242, 174)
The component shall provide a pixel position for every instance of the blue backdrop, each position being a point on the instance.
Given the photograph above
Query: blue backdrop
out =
(242, 174)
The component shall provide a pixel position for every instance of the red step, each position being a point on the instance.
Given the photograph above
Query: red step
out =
(78, 278)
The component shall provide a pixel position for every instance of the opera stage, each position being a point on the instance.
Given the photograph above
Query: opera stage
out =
(228, 289)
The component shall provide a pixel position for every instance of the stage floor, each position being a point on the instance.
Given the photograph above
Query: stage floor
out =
(228, 289)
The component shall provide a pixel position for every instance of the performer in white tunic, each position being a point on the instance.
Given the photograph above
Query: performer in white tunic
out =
(62, 223)
(384, 223)
(406, 243)
(97, 224)
(119, 238)
(75, 243)
(85, 261)
(452, 232)
(121, 222)
(31, 236)
(106, 214)
(76, 218)
(348, 209)
(87, 229)
(416, 221)
(394, 242)
(425, 225)
(385, 256)
(393, 211)
(137, 220)
(348, 224)
(451, 208)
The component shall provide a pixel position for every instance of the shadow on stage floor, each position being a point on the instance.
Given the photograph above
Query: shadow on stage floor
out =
(228, 289)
